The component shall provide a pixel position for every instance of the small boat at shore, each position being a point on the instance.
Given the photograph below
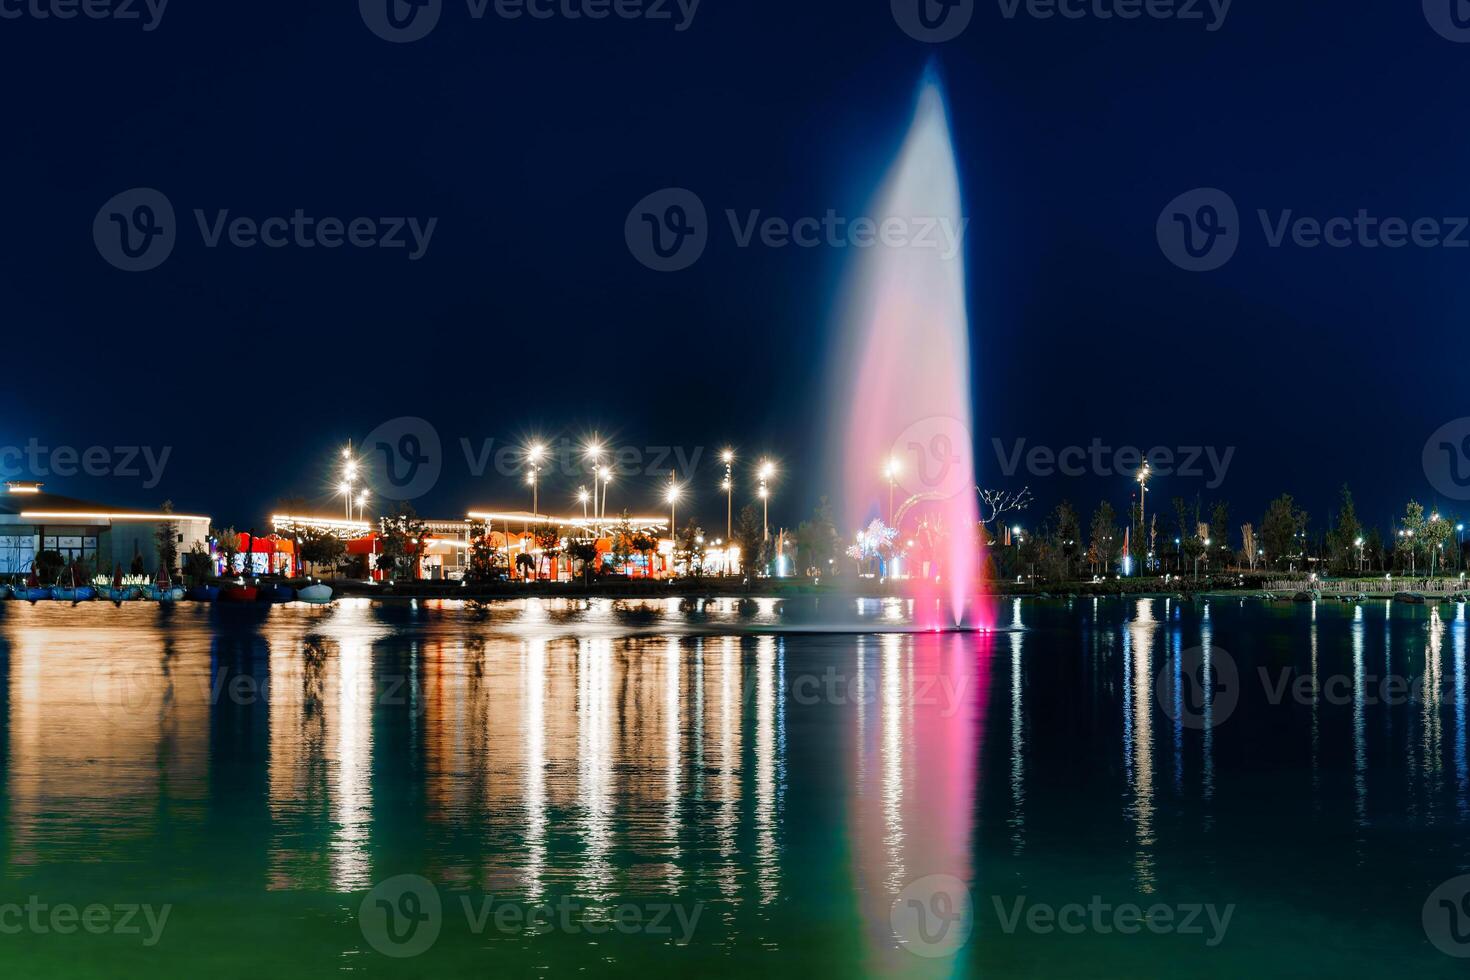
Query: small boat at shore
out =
(1409, 598)
(1307, 595)
(317, 594)
(238, 592)
(275, 592)
(163, 590)
(203, 593)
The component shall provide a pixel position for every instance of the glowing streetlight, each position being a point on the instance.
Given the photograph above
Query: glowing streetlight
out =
(672, 495)
(535, 453)
(362, 499)
(766, 471)
(728, 458)
(593, 451)
(1359, 543)
(606, 475)
(891, 469)
(583, 496)
(1143, 476)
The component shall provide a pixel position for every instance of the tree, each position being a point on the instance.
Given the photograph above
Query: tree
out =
(548, 544)
(1342, 540)
(1105, 542)
(817, 541)
(1248, 544)
(622, 548)
(1220, 533)
(1000, 502)
(320, 547)
(585, 554)
(404, 537)
(645, 544)
(197, 566)
(167, 539)
(750, 537)
(690, 550)
(227, 542)
(1284, 528)
(486, 560)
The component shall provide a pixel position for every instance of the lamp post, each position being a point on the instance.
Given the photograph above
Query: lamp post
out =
(767, 470)
(582, 496)
(593, 451)
(673, 519)
(891, 470)
(349, 476)
(1433, 520)
(1359, 543)
(362, 500)
(535, 454)
(728, 457)
(606, 475)
(1459, 545)
(345, 489)
(1143, 476)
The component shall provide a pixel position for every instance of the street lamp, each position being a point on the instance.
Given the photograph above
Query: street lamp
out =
(728, 458)
(1143, 476)
(582, 496)
(766, 471)
(606, 475)
(593, 451)
(535, 453)
(345, 489)
(673, 497)
(1359, 543)
(891, 470)
(362, 500)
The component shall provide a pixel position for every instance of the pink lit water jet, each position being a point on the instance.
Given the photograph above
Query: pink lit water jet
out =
(904, 385)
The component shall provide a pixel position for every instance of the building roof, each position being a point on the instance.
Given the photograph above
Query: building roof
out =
(30, 500)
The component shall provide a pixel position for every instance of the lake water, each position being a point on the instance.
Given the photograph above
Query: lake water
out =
(1098, 788)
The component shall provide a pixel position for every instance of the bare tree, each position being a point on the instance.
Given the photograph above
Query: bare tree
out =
(1248, 541)
(1001, 502)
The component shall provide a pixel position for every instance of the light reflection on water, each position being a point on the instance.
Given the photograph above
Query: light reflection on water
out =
(497, 750)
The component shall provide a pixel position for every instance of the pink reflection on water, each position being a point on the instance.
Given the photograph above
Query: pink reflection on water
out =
(905, 377)
(919, 726)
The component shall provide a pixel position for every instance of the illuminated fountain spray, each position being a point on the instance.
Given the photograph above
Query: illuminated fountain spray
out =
(907, 454)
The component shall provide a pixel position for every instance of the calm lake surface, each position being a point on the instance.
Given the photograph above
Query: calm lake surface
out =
(1098, 788)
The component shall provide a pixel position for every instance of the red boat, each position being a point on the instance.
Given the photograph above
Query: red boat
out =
(238, 593)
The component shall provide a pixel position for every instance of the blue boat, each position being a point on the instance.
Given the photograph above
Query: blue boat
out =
(204, 593)
(278, 592)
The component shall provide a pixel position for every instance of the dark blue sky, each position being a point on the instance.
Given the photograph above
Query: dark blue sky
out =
(529, 141)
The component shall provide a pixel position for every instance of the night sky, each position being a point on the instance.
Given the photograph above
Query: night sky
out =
(530, 141)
